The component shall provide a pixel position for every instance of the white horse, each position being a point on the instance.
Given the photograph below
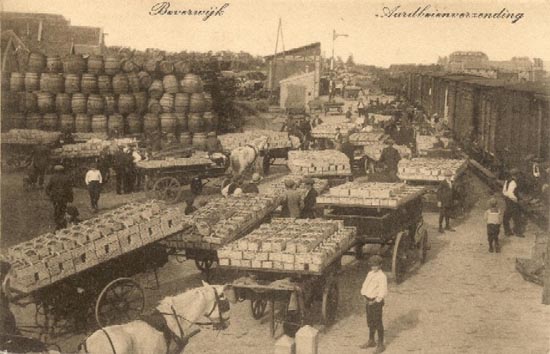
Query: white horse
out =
(245, 157)
(171, 321)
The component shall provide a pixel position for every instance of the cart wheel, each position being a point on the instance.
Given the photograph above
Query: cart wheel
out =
(397, 262)
(257, 308)
(148, 183)
(167, 189)
(122, 300)
(330, 302)
(196, 185)
(204, 264)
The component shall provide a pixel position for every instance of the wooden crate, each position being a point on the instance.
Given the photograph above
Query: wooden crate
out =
(60, 266)
(84, 257)
(128, 241)
(30, 277)
(107, 248)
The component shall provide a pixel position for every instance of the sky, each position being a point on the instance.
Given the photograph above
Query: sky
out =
(251, 26)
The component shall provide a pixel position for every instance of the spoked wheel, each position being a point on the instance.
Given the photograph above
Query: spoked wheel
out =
(330, 302)
(121, 301)
(204, 264)
(257, 308)
(167, 189)
(397, 262)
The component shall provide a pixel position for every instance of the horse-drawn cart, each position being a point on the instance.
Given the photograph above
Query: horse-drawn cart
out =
(385, 214)
(18, 145)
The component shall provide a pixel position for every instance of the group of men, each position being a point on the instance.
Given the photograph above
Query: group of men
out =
(124, 164)
(299, 204)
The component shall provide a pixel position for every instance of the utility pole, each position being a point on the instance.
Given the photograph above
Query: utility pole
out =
(274, 61)
(334, 36)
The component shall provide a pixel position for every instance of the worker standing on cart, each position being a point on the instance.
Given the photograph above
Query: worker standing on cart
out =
(445, 201)
(310, 200)
(390, 158)
(60, 192)
(94, 180)
(374, 290)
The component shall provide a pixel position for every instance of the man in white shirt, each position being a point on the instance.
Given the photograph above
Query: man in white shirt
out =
(512, 210)
(93, 180)
(375, 289)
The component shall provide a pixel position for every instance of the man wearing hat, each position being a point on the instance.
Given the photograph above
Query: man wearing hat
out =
(119, 165)
(94, 180)
(310, 200)
(293, 202)
(512, 209)
(390, 157)
(445, 201)
(252, 186)
(60, 192)
(374, 290)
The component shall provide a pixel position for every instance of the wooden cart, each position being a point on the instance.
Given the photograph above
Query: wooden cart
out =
(337, 107)
(398, 230)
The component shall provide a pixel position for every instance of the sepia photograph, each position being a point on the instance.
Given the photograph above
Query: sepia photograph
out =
(275, 176)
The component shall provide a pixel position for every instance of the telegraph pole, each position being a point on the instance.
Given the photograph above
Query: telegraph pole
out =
(334, 36)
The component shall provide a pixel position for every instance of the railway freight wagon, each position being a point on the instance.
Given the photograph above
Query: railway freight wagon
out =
(499, 123)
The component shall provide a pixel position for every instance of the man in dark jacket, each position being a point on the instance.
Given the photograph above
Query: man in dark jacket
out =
(390, 157)
(60, 192)
(445, 201)
(39, 163)
(119, 165)
(104, 163)
(310, 200)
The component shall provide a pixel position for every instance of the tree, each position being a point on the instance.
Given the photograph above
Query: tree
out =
(350, 61)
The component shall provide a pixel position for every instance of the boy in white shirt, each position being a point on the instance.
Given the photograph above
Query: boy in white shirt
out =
(493, 218)
(375, 289)
(93, 181)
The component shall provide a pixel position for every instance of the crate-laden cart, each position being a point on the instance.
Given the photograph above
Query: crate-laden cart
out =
(429, 172)
(368, 148)
(86, 269)
(331, 165)
(385, 214)
(18, 145)
(289, 262)
(324, 133)
(220, 221)
(164, 179)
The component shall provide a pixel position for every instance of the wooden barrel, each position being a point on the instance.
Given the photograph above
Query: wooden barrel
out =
(196, 103)
(46, 102)
(168, 123)
(199, 141)
(120, 84)
(74, 64)
(153, 106)
(54, 64)
(32, 82)
(63, 103)
(15, 120)
(145, 80)
(110, 104)
(72, 83)
(191, 83)
(195, 123)
(156, 89)
(116, 122)
(11, 102)
(210, 121)
(49, 121)
(66, 122)
(18, 82)
(28, 102)
(52, 82)
(88, 84)
(33, 121)
(151, 123)
(37, 63)
(111, 65)
(207, 101)
(78, 103)
(181, 68)
(95, 64)
(170, 84)
(185, 139)
(181, 102)
(167, 103)
(82, 123)
(166, 67)
(151, 66)
(133, 82)
(126, 103)
(99, 123)
(104, 84)
(134, 123)
(128, 66)
(141, 102)
(181, 122)
(96, 104)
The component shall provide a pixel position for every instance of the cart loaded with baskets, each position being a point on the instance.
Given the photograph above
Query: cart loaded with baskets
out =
(18, 145)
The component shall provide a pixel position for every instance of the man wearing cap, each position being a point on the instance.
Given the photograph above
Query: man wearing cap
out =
(374, 290)
(445, 201)
(511, 199)
(60, 192)
(252, 186)
(390, 157)
(293, 202)
(310, 200)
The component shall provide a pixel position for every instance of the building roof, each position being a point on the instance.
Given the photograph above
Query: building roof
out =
(297, 77)
(296, 50)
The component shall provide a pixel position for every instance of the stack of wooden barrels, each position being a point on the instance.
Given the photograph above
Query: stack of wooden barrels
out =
(104, 94)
